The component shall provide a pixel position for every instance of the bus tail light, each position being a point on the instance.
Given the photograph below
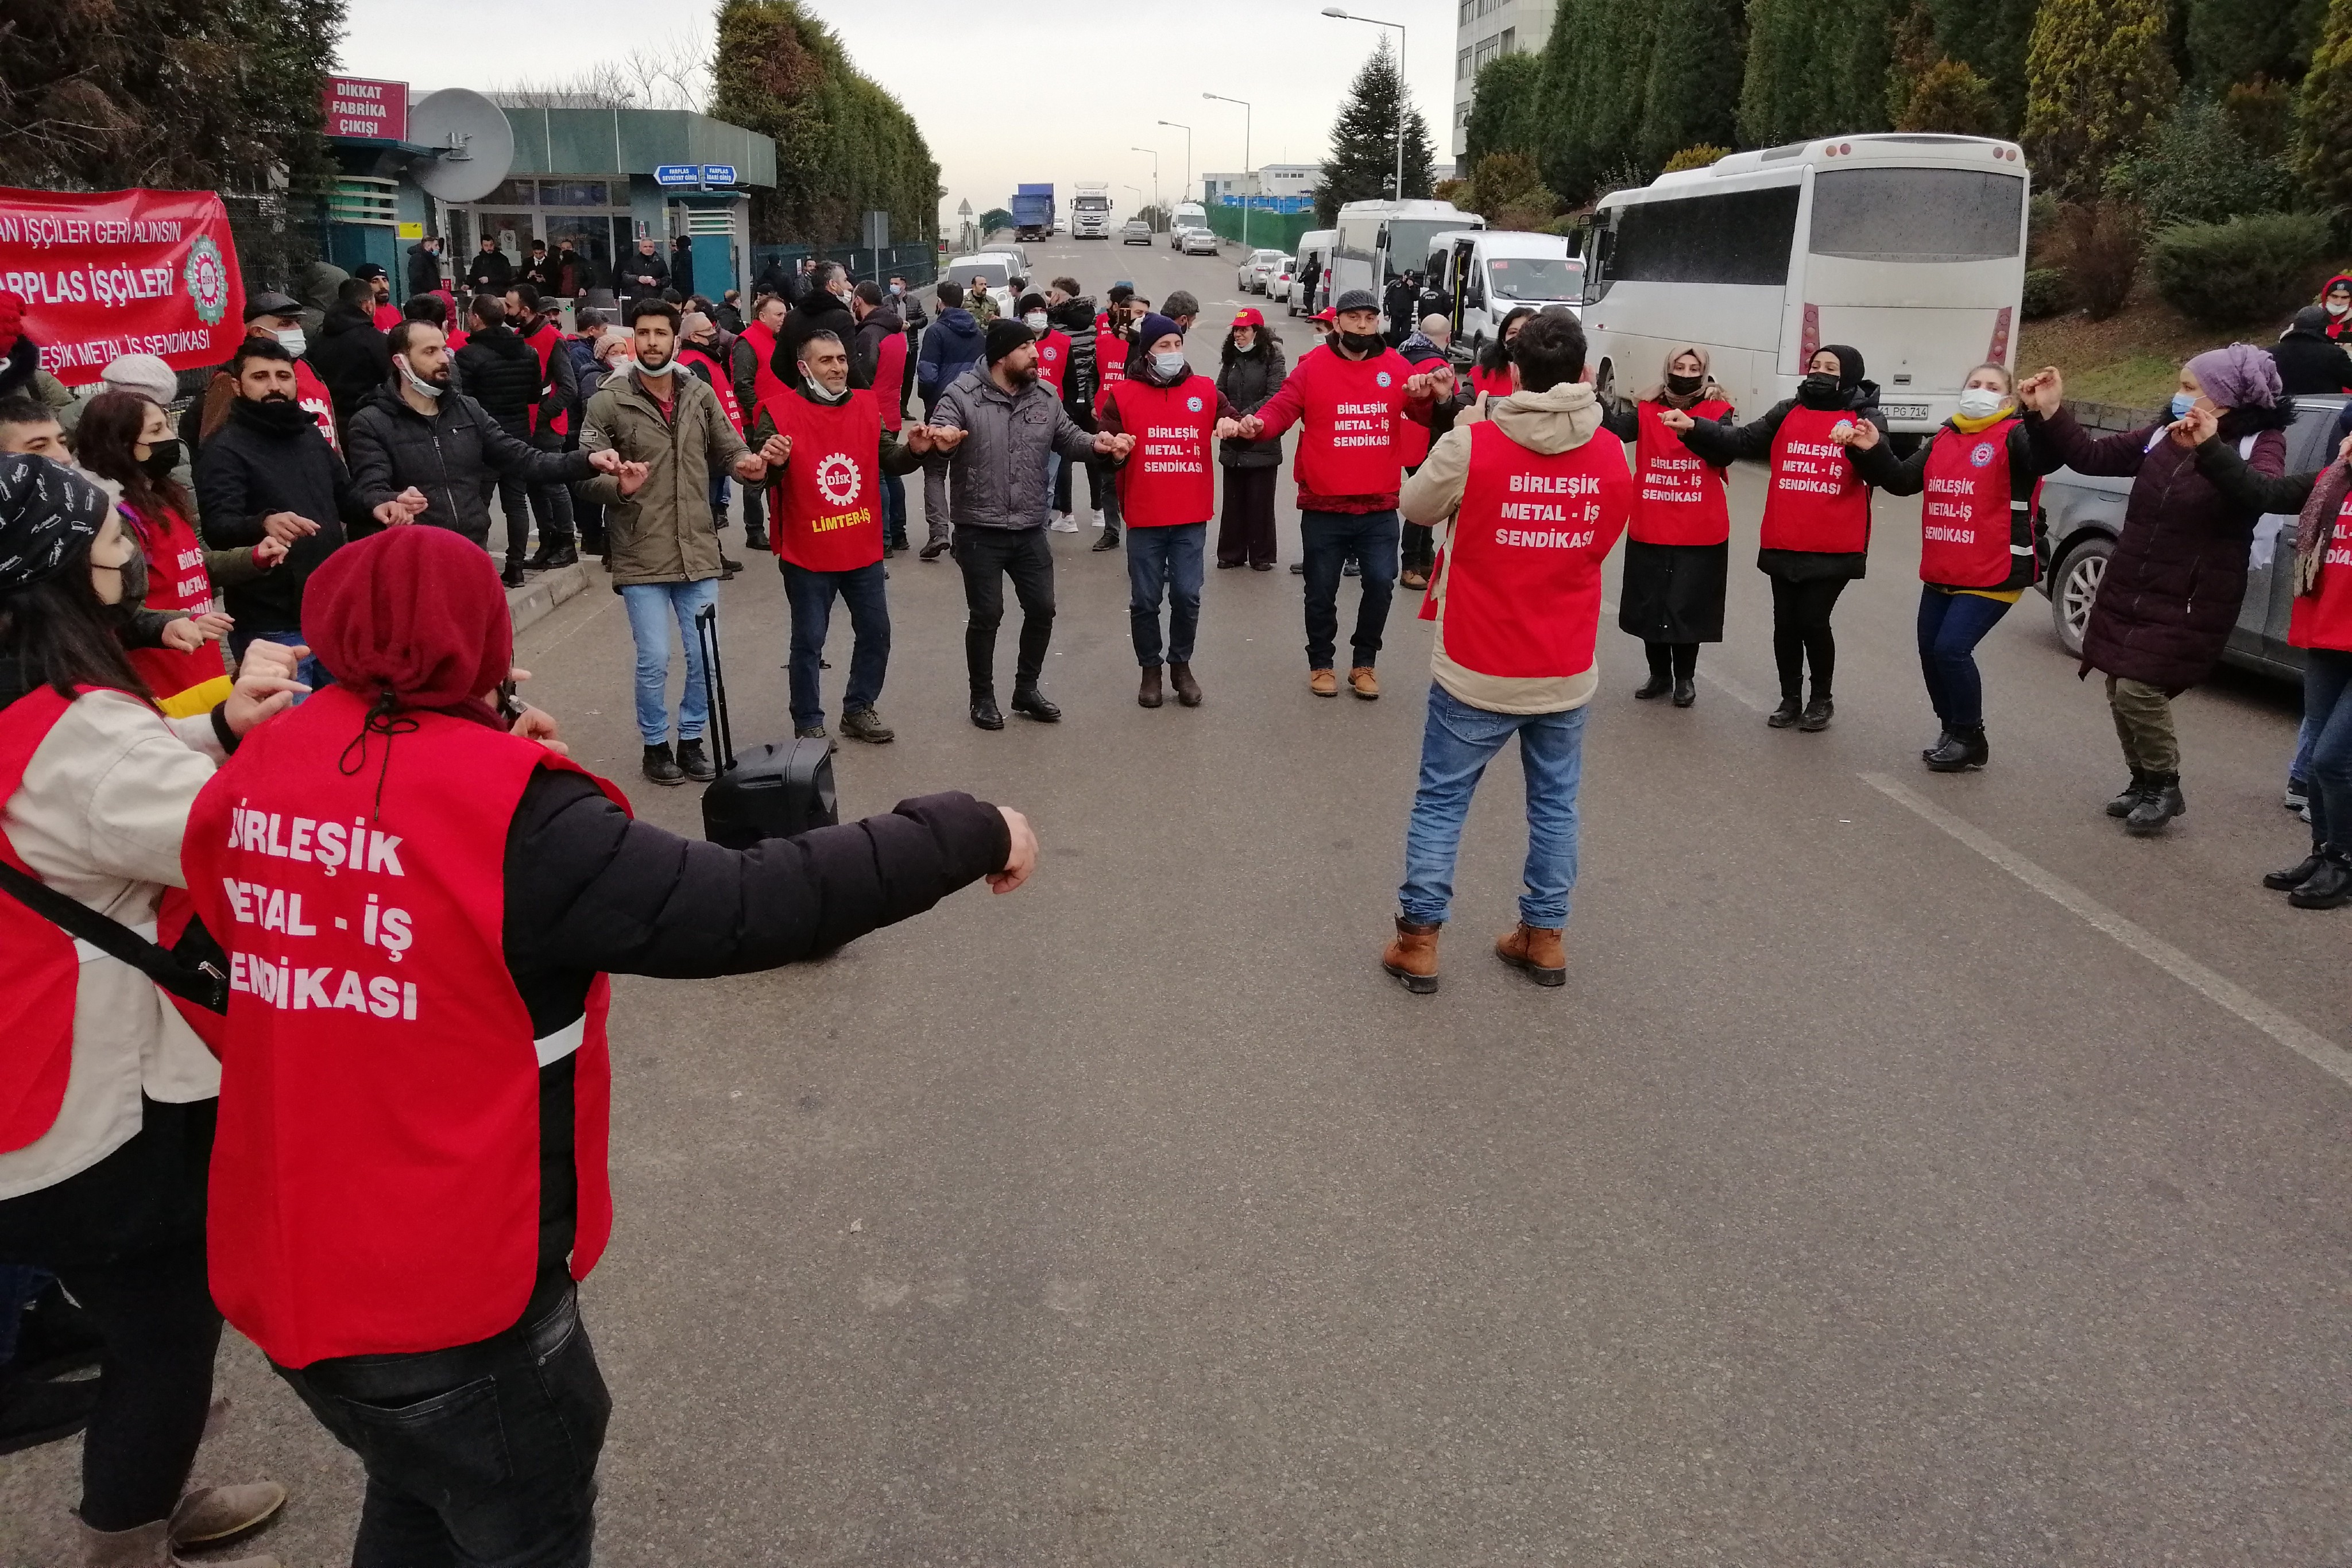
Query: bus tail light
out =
(2000, 354)
(1812, 340)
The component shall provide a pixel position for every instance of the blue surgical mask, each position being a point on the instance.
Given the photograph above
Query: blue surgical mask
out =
(2181, 403)
(1167, 365)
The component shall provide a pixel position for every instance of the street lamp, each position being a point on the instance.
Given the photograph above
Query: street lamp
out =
(1139, 192)
(1246, 116)
(1188, 154)
(1403, 99)
(1155, 172)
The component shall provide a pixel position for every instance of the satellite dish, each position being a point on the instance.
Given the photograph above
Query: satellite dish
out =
(476, 146)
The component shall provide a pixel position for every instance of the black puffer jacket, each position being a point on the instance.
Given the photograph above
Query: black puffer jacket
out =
(2308, 360)
(449, 456)
(351, 357)
(818, 312)
(1076, 317)
(1246, 380)
(252, 467)
(501, 373)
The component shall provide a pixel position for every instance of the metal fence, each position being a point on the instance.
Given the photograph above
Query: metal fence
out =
(1267, 231)
(916, 261)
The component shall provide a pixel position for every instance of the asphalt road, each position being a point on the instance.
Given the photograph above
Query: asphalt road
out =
(1914, 1170)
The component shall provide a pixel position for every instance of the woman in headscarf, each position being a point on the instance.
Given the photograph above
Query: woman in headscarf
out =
(1975, 548)
(107, 1093)
(2172, 587)
(1678, 550)
(1816, 534)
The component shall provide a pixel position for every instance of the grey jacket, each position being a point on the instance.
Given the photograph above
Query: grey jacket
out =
(998, 477)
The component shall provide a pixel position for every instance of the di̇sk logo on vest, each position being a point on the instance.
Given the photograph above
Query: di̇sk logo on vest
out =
(836, 479)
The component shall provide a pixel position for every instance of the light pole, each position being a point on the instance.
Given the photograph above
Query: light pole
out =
(1246, 116)
(1188, 154)
(1139, 192)
(1155, 172)
(1403, 99)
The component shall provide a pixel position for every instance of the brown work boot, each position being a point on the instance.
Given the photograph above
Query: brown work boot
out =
(1148, 694)
(1411, 957)
(1364, 684)
(149, 1546)
(1536, 951)
(1188, 690)
(1323, 683)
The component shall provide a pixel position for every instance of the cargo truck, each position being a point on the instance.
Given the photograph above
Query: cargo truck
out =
(1032, 212)
(1090, 210)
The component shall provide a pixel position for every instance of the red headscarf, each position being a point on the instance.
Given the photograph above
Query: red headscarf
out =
(415, 613)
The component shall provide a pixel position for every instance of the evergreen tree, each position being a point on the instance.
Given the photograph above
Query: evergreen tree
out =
(1595, 66)
(2324, 113)
(2097, 76)
(1950, 99)
(1508, 191)
(1362, 163)
(1815, 68)
(1989, 38)
(844, 146)
(2227, 41)
(1504, 113)
(1690, 91)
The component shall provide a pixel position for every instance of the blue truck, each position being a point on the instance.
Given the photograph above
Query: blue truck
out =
(1032, 212)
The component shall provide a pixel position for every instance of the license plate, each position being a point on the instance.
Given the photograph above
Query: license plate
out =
(1904, 410)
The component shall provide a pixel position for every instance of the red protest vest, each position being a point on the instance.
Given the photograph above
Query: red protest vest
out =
(1817, 503)
(1493, 383)
(890, 380)
(1521, 578)
(1965, 517)
(716, 376)
(825, 507)
(1679, 498)
(375, 1176)
(177, 583)
(764, 381)
(1169, 478)
(1347, 443)
(546, 341)
(2321, 620)
(386, 317)
(1110, 364)
(311, 394)
(1053, 358)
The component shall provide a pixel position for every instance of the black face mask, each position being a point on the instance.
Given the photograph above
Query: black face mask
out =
(1362, 344)
(134, 587)
(1819, 389)
(1683, 386)
(163, 456)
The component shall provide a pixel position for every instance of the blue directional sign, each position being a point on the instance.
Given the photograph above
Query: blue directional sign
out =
(719, 173)
(677, 174)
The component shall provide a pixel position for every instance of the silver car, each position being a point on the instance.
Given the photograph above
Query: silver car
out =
(1198, 242)
(2082, 516)
(1256, 268)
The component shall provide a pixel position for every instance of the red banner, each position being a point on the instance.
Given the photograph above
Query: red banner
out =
(109, 273)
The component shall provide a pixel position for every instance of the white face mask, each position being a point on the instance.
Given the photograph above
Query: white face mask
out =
(416, 383)
(2337, 307)
(1981, 402)
(1170, 365)
(291, 339)
(1036, 321)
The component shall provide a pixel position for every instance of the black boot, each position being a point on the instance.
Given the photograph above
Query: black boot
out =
(755, 537)
(2330, 886)
(512, 576)
(1686, 691)
(2160, 803)
(660, 768)
(984, 711)
(548, 555)
(2133, 794)
(1791, 709)
(1943, 739)
(1657, 685)
(1031, 703)
(1959, 751)
(695, 762)
(2295, 875)
(1818, 713)
(1109, 540)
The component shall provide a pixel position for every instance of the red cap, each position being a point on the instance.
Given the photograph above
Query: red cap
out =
(1247, 315)
(1325, 316)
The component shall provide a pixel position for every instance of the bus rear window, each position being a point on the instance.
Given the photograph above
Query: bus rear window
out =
(1728, 236)
(1918, 215)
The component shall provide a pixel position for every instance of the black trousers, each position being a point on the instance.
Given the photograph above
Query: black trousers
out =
(1245, 529)
(988, 557)
(127, 1238)
(483, 1456)
(1801, 632)
(1672, 661)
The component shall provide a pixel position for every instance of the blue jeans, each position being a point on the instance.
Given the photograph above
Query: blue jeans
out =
(894, 510)
(810, 594)
(1456, 744)
(651, 607)
(1165, 561)
(2328, 710)
(1330, 538)
(307, 669)
(1950, 627)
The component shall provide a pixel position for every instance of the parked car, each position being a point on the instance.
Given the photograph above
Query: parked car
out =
(1135, 231)
(1177, 231)
(2081, 516)
(1279, 285)
(1256, 268)
(1198, 242)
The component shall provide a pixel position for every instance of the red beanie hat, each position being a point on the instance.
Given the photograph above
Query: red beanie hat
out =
(416, 612)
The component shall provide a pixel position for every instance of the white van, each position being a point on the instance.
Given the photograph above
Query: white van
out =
(1310, 272)
(1483, 275)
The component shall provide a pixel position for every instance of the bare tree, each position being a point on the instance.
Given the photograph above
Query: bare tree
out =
(672, 73)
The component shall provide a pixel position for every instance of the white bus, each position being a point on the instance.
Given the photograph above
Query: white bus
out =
(1909, 248)
(1378, 240)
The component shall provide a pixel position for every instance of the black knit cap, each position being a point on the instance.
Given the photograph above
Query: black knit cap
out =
(1004, 336)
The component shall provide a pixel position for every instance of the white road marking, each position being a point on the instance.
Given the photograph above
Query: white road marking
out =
(2313, 1048)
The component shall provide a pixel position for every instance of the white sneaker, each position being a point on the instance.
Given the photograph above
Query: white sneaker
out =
(1097, 521)
(1063, 523)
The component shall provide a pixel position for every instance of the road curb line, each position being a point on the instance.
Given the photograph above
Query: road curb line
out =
(537, 599)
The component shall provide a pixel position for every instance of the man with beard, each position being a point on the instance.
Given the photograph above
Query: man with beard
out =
(998, 424)
(432, 453)
(268, 473)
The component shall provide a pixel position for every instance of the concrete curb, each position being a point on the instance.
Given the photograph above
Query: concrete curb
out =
(538, 598)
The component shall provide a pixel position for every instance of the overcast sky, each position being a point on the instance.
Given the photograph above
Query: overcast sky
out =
(1053, 94)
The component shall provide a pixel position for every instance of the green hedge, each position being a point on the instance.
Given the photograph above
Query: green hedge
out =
(2248, 269)
(2048, 291)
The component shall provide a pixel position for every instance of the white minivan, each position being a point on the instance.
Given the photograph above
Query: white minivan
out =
(1483, 275)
